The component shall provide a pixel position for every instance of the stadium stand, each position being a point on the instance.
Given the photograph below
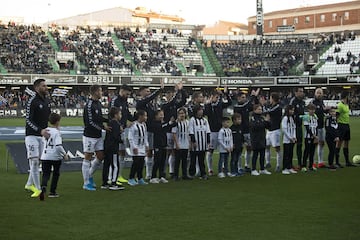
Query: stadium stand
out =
(343, 57)
(263, 58)
(25, 49)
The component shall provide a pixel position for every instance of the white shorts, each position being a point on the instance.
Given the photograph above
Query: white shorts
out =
(214, 141)
(273, 138)
(170, 141)
(91, 145)
(151, 140)
(34, 146)
(321, 134)
(247, 139)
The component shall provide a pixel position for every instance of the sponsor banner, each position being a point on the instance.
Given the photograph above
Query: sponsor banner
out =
(68, 112)
(203, 82)
(98, 79)
(247, 81)
(293, 80)
(286, 28)
(56, 79)
(353, 79)
(143, 80)
(311, 59)
(15, 79)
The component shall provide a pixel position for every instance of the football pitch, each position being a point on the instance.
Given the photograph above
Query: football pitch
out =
(319, 205)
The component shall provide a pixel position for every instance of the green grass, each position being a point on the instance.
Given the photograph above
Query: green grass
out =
(18, 122)
(322, 205)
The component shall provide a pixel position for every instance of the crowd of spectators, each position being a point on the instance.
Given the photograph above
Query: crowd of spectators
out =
(24, 49)
(264, 57)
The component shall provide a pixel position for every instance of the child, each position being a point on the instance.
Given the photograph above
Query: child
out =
(226, 145)
(51, 157)
(181, 143)
(139, 145)
(112, 141)
(258, 139)
(238, 140)
(159, 128)
(332, 136)
(288, 127)
(310, 121)
(199, 131)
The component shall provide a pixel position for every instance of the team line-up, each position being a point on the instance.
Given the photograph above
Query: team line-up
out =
(185, 134)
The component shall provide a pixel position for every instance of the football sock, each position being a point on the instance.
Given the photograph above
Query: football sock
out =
(239, 165)
(320, 152)
(337, 155)
(115, 169)
(34, 169)
(267, 155)
(278, 158)
(346, 154)
(85, 168)
(209, 160)
(149, 165)
(94, 165)
(171, 161)
(247, 158)
(30, 178)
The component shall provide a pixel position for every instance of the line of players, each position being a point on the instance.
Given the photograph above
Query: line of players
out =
(155, 137)
(173, 131)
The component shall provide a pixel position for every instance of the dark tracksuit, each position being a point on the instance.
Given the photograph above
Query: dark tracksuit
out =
(123, 105)
(299, 109)
(160, 142)
(149, 106)
(214, 113)
(37, 115)
(93, 119)
(332, 132)
(170, 108)
(258, 139)
(244, 110)
(111, 145)
(238, 140)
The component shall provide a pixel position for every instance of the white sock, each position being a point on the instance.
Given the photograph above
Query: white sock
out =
(30, 178)
(320, 151)
(85, 168)
(115, 169)
(94, 165)
(247, 158)
(239, 165)
(278, 158)
(209, 160)
(267, 155)
(171, 162)
(122, 164)
(149, 165)
(197, 168)
(34, 170)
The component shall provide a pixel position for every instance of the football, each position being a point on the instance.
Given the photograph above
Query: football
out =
(356, 159)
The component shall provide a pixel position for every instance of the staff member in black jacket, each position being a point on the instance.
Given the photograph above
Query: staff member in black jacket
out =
(332, 137)
(299, 108)
(92, 137)
(121, 102)
(37, 116)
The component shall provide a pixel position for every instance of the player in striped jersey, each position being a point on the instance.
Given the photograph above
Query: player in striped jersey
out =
(226, 145)
(310, 121)
(199, 131)
(181, 144)
(51, 156)
(139, 145)
(288, 127)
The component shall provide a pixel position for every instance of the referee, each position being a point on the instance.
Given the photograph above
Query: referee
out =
(343, 112)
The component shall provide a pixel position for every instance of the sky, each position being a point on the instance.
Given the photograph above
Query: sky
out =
(194, 12)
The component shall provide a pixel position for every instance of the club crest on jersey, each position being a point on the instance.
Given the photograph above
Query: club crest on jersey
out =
(96, 111)
(40, 106)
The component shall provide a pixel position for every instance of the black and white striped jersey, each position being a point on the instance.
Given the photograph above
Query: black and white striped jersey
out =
(138, 138)
(310, 124)
(225, 140)
(288, 128)
(199, 131)
(181, 130)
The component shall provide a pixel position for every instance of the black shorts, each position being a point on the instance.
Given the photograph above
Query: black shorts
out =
(344, 132)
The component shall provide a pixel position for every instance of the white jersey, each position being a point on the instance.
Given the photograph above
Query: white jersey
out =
(53, 149)
(288, 127)
(225, 140)
(199, 128)
(181, 130)
(311, 123)
(138, 138)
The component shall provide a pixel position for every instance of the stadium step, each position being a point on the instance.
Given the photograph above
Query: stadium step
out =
(127, 56)
(214, 62)
(55, 66)
(52, 42)
(181, 68)
(3, 69)
(208, 67)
